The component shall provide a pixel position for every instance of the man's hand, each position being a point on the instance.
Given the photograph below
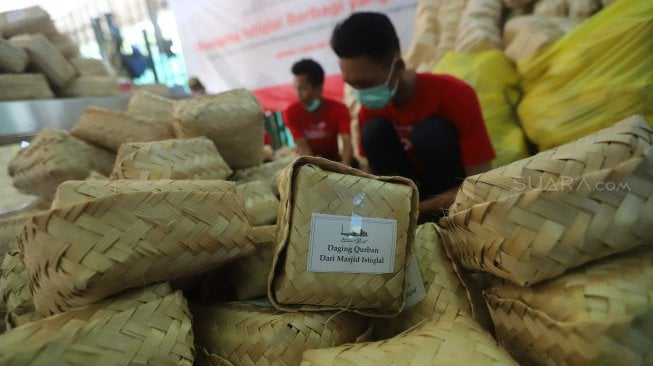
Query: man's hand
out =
(346, 153)
(302, 147)
(437, 205)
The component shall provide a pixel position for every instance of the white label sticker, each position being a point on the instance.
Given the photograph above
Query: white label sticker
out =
(361, 245)
(415, 291)
(14, 16)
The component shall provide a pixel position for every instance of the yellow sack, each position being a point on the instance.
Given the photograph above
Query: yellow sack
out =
(496, 81)
(597, 74)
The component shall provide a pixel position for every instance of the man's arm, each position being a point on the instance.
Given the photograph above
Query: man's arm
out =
(302, 147)
(346, 153)
(438, 203)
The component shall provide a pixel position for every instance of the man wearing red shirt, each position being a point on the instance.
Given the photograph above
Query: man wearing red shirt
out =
(425, 127)
(314, 121)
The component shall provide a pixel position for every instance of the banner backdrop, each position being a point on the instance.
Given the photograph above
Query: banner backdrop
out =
(253, 43)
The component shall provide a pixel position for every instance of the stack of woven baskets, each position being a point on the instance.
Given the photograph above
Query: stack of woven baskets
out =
(38, 62)
(568, 236)
(519, 27)
(162, 238)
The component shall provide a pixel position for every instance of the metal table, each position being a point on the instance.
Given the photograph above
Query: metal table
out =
(20, 120)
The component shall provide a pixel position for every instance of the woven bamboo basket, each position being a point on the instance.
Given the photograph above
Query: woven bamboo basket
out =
(266, 172)
(526, 34)
(129, 239)
(480, 26)
(64, 44)
(454, 339)
(12, 58)
(195, 158)
(601, 150)
(77, 192)
(92, 86)
(24, 86)
(249, 334)
(29, 20)
(528, 237)
(425, 35)
(316, 185)
(150, 105)
(551, 7)
(261, 205)
(109, 129)
(449, 16)
(89, 66)
(233, 120)
(249, 275)
(14, 288)
(158, 332)
(47, 59)
(444, 289)
(600, 313)
(54, 156)
(104, 308)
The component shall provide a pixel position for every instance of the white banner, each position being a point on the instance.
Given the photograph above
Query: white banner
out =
(253, 43)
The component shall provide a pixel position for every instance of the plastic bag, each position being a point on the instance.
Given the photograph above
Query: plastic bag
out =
(597, 74)
(496, 81)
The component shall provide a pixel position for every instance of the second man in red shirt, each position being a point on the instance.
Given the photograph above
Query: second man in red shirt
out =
(316, 122)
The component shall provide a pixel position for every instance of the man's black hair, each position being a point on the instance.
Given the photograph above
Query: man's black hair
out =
(313, 71)
(366, 34)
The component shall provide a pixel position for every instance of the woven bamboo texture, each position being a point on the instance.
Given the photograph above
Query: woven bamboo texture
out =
(249, 275)
(233, 120)
(89, 66)
(528, 237)
(14, 287)
(129, 239)
(195, 158)
(248, 334)
(64, 44)
(29, 20)
(444, 289)
(449, 15)
(454, 339)
(266, 172)
(24, 86)
(104, 308)
(76, 192)
(11, 224)
(12, 58)
(315, 185)
(158, 332)
(480, 26)
(150, 105)
(109, 129)
(599, 314)
(47, 59)
(54, 156)
(261, 205)
(601, 150)
(526, 34)
(92, 86)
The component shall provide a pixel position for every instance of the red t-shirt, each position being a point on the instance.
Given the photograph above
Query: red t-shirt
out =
(446, 97)
(320, 129)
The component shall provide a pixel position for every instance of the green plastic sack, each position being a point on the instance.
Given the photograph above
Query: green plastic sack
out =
(597, 74)
(496, 81)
